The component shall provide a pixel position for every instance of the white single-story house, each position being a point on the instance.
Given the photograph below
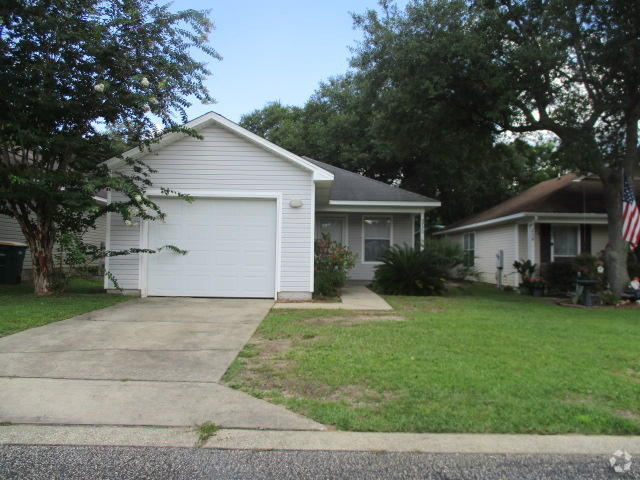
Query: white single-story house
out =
(552, 221)
(258, 208)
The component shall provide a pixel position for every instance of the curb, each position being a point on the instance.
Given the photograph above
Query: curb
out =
(319, 440)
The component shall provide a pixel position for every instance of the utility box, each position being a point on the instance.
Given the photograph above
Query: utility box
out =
(11, 261)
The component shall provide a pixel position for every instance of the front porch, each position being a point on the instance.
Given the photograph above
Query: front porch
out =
(557, 238)
(370, 232)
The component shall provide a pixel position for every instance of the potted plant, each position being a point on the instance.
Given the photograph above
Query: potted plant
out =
(536, 286)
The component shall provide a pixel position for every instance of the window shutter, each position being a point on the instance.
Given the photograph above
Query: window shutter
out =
(585, 238)
(545, 243)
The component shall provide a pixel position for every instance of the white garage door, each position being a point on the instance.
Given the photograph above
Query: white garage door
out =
(231, 246)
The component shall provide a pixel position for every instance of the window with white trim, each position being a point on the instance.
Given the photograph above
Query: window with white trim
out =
(565, 241)
(332, 226)
(469, 247)
(377, 237)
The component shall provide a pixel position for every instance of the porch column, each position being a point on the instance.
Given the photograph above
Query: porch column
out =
(531, 242)
(422, 230)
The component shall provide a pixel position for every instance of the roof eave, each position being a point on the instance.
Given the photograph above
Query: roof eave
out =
(523, 215)
(319, 174)
(383, 203)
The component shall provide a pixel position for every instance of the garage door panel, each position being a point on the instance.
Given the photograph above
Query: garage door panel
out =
(231, 248)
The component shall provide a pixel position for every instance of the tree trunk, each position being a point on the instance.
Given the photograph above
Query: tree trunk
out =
(617, 250)
(41, 246)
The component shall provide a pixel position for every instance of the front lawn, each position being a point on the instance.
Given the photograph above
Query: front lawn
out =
(478, 360)
(20, 309)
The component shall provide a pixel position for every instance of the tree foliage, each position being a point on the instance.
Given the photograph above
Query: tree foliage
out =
(437, 85)
(399, 117)
(74, 77)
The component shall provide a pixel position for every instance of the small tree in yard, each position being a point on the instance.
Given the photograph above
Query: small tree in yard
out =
(72, 74)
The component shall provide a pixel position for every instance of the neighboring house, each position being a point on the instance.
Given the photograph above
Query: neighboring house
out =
(10, 232)
(552, 221)
(258, 208)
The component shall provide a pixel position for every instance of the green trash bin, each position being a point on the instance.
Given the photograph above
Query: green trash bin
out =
(11, 260)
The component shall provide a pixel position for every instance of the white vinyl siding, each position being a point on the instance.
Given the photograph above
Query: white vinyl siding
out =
(488, 242)
(402, 234)
(10, 232)
(123, 237)
(224, 161)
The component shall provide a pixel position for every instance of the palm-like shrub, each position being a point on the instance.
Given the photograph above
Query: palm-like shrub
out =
(409, 271)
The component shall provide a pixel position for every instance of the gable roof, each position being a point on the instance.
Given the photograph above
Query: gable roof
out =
(350, 188)
(566, 194)
(319, 174)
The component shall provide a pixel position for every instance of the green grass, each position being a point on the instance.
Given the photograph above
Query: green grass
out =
(205, 432)
(20, 309)
(478, 360)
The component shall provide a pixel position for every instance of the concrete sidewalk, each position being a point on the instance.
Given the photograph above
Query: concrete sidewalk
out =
(321, 441)
(354, 297)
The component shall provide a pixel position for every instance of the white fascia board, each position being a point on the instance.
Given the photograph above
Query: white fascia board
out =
(156, 192)
(371, 209)
(319, 174)
(368, 203)
(576, 217)
(100, 200)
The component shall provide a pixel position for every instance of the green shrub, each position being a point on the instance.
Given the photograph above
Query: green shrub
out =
(633, 263)
(561, 276)
(409, 271)
(331, 266)
(590, 267)
(609, 298)
(525, 268)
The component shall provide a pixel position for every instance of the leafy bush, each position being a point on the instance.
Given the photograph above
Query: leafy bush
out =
(633, 263)
(408, 271)
(525, 268)
(332, 264)
(561, 276)
(609, 298)
(590, 267)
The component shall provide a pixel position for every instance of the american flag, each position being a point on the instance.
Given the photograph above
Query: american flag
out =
(630, 216)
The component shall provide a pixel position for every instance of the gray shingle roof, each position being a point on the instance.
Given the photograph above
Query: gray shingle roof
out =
(350, 186)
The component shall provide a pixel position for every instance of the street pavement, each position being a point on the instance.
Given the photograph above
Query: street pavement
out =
(106, 463)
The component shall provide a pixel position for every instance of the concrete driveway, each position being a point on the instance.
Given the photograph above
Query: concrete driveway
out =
(153, 361)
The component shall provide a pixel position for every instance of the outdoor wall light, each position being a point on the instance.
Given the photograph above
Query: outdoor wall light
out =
(295, 203)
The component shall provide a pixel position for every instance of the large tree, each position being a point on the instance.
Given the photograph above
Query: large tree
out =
(398, 117)
(568, 67)
(73, 74)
